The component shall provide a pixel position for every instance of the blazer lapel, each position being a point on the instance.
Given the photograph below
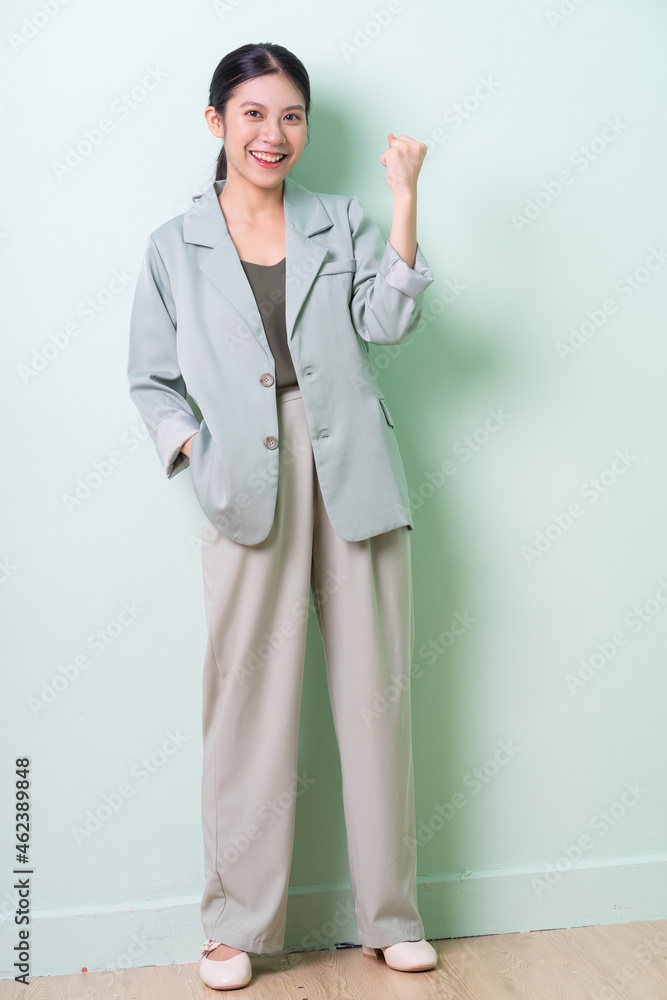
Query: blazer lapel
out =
(305, 216)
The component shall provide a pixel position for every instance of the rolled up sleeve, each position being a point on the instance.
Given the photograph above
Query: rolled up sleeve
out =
(157, 387)
(386, 301)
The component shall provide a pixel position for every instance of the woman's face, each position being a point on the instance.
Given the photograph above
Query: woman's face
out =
(265, 115)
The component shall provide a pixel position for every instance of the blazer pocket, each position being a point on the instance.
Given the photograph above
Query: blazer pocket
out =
(381, 401)
(338, 266)
(209, 477)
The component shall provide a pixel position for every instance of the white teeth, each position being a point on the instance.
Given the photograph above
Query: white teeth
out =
(267, 157)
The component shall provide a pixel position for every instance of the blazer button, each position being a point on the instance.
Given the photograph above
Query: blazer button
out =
(266, 378)
(271, 442)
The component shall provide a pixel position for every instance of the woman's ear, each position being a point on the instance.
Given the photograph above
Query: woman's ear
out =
(213, 121)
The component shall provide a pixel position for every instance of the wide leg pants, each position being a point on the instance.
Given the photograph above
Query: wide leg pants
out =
(257, 600)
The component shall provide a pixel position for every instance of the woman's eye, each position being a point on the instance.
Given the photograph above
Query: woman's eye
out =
(253, 111)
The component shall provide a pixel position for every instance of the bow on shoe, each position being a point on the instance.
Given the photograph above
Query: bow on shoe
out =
(208, 945)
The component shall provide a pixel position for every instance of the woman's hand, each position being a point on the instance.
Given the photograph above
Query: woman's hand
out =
(403, 160)
(185, 448)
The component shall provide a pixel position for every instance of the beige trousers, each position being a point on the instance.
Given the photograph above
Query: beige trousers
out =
(257, 599)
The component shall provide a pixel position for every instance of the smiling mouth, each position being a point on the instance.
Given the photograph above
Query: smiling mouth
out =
(268, 157)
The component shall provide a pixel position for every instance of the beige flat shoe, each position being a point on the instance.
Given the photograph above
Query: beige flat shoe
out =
(230, 974)
(408, 956)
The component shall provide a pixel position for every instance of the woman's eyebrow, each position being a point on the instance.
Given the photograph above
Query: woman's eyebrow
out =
(292, 107)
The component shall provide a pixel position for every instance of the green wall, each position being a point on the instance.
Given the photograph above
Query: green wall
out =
(529, 407)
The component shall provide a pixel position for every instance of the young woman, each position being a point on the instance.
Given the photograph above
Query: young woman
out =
(258, 304)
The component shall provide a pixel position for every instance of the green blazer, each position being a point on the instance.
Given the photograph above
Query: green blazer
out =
(196, 333)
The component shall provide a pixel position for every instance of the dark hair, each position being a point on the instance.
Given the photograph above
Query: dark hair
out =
(246, 63)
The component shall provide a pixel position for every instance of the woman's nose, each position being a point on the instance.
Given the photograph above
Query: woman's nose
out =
(272, 131)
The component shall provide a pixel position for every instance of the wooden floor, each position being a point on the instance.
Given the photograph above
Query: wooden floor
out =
(610, 962)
